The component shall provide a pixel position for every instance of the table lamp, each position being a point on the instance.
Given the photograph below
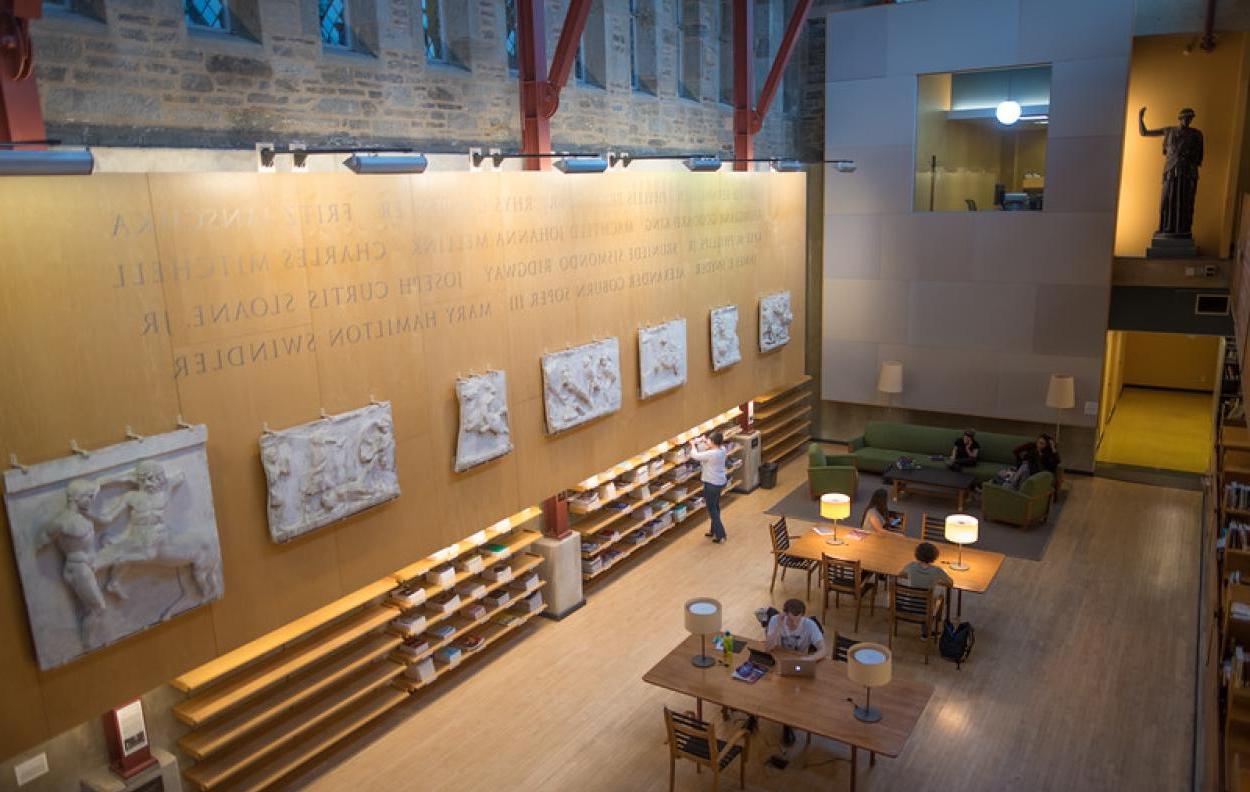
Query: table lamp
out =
(870, 665)
(703, 619)
(961, 529)
(835, 506)
(890, 380)
(1060, 395)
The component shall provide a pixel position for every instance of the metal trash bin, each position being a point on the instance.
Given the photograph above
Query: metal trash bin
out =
(768, 475)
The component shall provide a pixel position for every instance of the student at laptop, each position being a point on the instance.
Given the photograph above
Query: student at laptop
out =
(793, 631)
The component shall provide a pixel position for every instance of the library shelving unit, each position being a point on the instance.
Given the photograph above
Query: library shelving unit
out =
(783, 417)
(630, 505)
(1229, 495)
(263, 710)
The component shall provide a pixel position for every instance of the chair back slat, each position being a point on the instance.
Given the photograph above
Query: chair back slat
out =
(781, 535)
(841, 646)
(910, 600)
(689, 735)
(932, 529)
(840, 573)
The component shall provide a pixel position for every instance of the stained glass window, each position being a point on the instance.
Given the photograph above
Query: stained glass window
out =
(432, 24)
(509, 34)
(334, 28)
(207, 14)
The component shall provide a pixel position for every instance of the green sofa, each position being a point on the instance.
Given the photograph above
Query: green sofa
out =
(885, 441)
(831, 472)
(1026, 506)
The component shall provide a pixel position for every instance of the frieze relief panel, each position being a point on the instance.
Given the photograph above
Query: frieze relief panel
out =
(581, 384)
(484, 430)
(726, 347)
(661, 357)
(113, 541)
(331, 468)
(775, 320)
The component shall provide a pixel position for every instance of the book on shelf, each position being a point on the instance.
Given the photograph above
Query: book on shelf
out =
(414, 646)
(422, 671)
(475, 611)
(505, 619)
(449, 655)
(441, 576)
(470, 643)
(471, 563)
(496, 549)
(443, 631)
(409, 625)
(409, 596)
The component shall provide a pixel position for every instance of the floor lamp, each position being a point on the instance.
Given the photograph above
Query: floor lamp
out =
(890, 380)
(1060, 395)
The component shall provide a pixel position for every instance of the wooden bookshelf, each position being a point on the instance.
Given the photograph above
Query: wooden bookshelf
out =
(783, 418)
(490, 634)
(265, 709)
(463, 624)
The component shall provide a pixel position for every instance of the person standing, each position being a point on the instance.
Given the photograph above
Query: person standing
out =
(710, 453)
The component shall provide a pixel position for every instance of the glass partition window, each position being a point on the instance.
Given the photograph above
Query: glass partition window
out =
(981, 140)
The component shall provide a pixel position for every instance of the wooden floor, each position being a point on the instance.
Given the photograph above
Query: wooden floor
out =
(1082, 676)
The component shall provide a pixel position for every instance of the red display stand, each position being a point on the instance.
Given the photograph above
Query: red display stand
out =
(127, 737)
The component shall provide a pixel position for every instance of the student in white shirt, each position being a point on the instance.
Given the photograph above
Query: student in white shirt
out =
(796, 633)
(710, 453)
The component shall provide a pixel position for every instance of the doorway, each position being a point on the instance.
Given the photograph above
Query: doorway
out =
(1160, 392)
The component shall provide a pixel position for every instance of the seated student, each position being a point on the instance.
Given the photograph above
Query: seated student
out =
(965, 452)
(1042, 454)
(878, 512)
(794, 632)
(921, 573)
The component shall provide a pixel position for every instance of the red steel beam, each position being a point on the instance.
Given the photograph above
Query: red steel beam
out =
(566, 52)
(779, 64)
(532, 73)
(21, 117)
(744, 90)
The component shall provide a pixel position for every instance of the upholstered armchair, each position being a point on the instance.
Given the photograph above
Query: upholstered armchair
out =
(1027, 506)
(831, 472)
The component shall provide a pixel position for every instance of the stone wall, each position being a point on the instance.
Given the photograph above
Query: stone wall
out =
(131, 73)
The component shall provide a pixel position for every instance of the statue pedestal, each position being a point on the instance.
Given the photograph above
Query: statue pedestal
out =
(1164, 247)
(562, 569)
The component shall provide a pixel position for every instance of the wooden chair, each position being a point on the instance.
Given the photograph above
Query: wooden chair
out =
(783, 560)
(932, 529)
(901, 527)
(916, 606)
(838, 577)
(690, 738)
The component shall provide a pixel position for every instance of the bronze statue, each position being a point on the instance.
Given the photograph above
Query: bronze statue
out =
(1182, 146)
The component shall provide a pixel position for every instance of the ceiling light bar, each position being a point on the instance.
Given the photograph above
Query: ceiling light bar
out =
(476, 158)
(372, 164)
(44, 162)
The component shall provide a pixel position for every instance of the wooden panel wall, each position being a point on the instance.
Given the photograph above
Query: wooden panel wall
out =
(238, 300)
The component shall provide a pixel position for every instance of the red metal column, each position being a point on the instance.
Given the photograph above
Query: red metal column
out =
(21, 117)
(566, 53)
(779, 64)
(531, 30)
(744, 90)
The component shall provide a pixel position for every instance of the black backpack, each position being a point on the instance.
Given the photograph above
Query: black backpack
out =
(955, 643)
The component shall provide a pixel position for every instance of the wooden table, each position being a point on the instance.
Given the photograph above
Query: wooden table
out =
(818, 705)
(887, 553)
(949, 483)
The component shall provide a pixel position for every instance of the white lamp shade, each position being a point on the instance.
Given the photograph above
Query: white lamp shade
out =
(1061, 393)
(835, 506)
(869, 664)
(890, 377)
(703, 616)
(961, 529)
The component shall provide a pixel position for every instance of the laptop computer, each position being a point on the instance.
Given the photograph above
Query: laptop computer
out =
(796, 668)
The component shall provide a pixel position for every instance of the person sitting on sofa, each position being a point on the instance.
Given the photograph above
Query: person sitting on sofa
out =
(1041, 454)
(965, 452)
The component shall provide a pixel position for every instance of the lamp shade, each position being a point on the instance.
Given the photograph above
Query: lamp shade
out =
(703, 616)
(869, 664)
(890, 377)
(961, 529)
(835, 506)
(1061, 393)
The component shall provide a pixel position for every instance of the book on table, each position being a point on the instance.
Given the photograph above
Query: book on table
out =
(749, 672)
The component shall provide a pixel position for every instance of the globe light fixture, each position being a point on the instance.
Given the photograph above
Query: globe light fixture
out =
(1007, 112)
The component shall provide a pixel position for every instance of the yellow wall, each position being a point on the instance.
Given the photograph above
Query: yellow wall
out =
(106, 280)
(1163, 80)
(1112, 378)
(1171, 360)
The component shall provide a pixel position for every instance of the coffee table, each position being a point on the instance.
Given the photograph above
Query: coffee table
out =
(947, 483)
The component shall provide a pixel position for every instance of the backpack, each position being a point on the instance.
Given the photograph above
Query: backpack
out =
(955, 643)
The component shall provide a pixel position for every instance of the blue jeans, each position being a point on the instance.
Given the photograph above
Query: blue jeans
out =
(711, 496)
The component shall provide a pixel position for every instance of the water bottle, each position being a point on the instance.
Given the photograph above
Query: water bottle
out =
(728, 643)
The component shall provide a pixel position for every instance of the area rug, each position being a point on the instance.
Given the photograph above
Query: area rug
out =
(1009, 540)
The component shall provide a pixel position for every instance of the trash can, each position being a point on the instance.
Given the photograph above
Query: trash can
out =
(768, 475)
